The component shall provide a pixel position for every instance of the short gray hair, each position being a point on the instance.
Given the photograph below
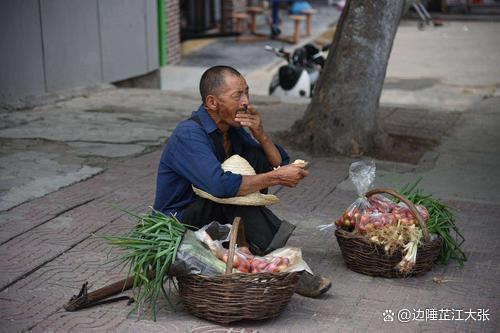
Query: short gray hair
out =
(214, 78)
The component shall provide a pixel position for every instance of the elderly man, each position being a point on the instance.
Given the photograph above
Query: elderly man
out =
(194, 155)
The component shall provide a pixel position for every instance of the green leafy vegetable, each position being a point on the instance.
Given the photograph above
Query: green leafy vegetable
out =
(151, 248)
(441, 222)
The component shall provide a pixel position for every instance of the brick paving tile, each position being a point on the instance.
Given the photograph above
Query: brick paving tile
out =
(20, 310)
(116, 180)
(315, 188)
(50, 261)
(46, 241)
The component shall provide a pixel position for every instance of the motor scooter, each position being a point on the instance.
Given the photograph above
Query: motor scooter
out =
(298, 77)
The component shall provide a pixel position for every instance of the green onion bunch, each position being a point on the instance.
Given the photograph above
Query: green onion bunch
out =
(151, 247)
(441, 222)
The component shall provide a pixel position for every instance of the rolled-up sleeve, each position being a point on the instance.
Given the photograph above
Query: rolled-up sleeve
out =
(285, 159)
(195, 160)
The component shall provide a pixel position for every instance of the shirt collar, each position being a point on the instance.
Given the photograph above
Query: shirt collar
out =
(207, 122)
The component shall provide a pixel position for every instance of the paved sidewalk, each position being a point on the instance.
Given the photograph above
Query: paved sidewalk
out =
(50, 246)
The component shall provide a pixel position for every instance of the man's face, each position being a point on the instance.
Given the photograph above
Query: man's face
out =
(232, 98)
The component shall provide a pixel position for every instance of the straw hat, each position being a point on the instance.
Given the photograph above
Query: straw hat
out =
(237, 164)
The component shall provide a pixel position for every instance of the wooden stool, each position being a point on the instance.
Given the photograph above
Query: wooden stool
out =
(254, 11)
(309, 13)
(296, 28)
(240, 22)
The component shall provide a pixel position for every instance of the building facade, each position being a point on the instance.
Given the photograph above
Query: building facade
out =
(53, 45)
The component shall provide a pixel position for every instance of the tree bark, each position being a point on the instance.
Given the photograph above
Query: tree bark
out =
(342, 115)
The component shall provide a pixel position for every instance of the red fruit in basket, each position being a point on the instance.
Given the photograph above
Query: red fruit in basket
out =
(272, 268)
(243, 270)
(387, 219)
(261, 266)
(255, 262)
(244, 264)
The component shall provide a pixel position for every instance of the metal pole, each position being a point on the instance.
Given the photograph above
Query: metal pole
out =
(427, 16)
(420, 14)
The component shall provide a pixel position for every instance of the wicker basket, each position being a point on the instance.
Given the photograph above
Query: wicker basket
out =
(365, 257)
(232, 297)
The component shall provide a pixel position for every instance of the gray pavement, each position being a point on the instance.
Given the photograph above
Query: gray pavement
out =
(56, 145)
(49, 247)
(108, 141)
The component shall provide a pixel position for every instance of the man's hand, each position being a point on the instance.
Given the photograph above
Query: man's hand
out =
(252, 120)
(290, 175)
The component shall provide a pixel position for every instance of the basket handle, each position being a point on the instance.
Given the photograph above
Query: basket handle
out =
(232, 244)
(408, 203)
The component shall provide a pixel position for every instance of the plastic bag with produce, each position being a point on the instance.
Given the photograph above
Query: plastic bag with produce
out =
(362, 175)
(286, 259)
(377, 211)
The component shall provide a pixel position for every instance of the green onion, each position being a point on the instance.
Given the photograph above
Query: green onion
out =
(441, 222)
(151, 249)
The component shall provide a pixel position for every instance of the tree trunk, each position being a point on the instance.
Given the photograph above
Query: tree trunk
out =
(342, 116)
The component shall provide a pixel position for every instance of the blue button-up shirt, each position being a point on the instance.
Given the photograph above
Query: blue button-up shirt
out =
(189, 158)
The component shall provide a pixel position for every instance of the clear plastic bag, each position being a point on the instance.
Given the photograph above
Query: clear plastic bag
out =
(294, 257)
(362, 175)
(194, 258)
(380, 203)
(377, 211)
(287, 259)
(374, 220)
(405, 216)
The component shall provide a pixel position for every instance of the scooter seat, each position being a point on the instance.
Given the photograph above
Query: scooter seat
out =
(289, 75)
